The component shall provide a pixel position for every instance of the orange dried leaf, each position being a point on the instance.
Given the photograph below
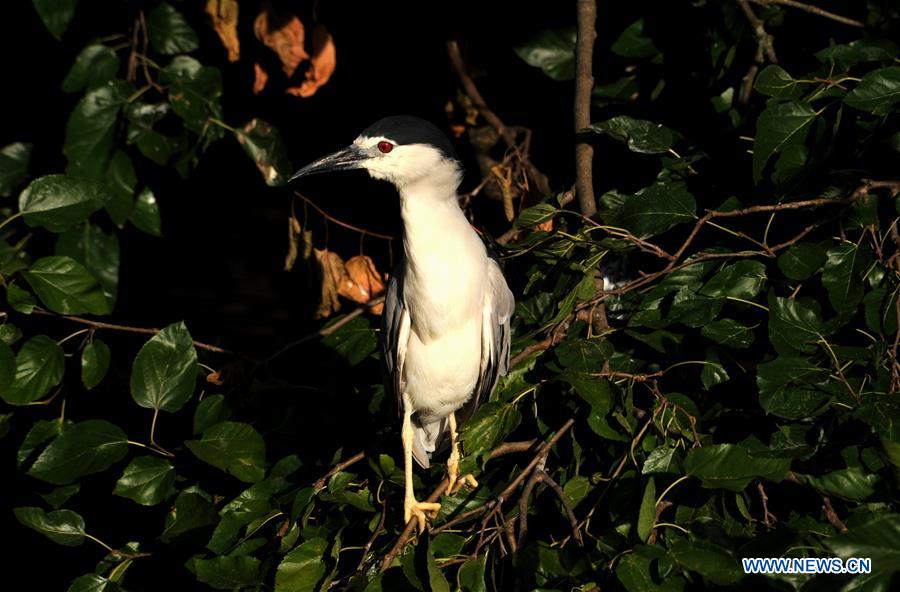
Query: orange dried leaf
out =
(332, 271)
(285, 39)
(224, 14)
(361, 282)
(546, 226)
(215, 378)
(324, 61)
(261, 77)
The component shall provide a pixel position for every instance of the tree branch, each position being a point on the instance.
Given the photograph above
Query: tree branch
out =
(584, 84)
(813, 10)
(129, 329)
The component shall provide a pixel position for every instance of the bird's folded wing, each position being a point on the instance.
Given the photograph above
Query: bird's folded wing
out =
(395, 323)
(495, 334)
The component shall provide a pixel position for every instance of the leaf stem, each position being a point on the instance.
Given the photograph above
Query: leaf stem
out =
(10, 219)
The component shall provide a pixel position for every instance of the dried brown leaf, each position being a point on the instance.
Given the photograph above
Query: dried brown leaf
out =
(294, 235)
(286, 40)
(332, 270)
(215, 378)
(323, 63)
(361, 281)
(224, 15)
(260, 78)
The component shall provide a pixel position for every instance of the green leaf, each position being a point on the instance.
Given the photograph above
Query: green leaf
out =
(633, 44)
(40, 433)
(730, 466)
(211, 410)
(870, 49)
(147, 480)
(491, 423)
(801, 261)
(713, 371)
(59, 202)
(60, 495)
(97, 251)
(169, 32)
(709, 560)
(729, 333)
(744, 279)
(792, 387)
(39, 367)
(165, 370)
(7, 367)
(636, 573)
(774, 81)
(642, 136)
(95, 65)
(120, 180)
(302, 568)
(879, 540)
(91, 129)
(227, 573)
(552, 51)
(56, 14)
(94, 363)
(233, 447)
(19, 299)
(145, 215)
(92, 583)
(471, 575)
(647, 513)
(877, 92)
(9, 333)
(842, 276)
(779, 126)
(354, 341)
(662, 460)
(13, 166)
(851, 483)
(194, 93)
(64, 527)
(576, 489)
(193, 509)
(262, 143)
(651, 210)
(536, 214)
(66, 287)
(84, 448)
(793, 326)
(880, 311)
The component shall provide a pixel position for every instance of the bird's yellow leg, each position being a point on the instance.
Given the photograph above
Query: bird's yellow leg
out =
(412, 507)
(454, 483)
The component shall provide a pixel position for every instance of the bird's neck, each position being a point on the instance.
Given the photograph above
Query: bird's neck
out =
(432, 219)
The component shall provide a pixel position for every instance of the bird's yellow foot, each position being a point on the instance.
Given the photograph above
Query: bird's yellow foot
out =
(454, 481)
(421, 511)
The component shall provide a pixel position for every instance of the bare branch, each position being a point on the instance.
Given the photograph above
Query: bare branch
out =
(813, 10)
(584, 84)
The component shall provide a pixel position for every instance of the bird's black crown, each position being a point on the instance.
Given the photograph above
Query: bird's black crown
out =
(405, 129)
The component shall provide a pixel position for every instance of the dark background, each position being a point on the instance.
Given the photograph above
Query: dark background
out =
(220, 264)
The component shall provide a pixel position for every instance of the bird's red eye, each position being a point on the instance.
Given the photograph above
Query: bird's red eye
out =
(385, 146)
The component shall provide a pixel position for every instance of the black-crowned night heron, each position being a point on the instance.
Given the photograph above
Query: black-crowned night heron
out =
(445, 326)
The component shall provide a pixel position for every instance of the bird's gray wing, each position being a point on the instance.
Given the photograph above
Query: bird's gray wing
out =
(498, 309)
(394, 336)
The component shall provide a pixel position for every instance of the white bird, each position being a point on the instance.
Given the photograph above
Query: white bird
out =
(445, 327)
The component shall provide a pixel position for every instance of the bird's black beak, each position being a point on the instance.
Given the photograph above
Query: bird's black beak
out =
(350, 157)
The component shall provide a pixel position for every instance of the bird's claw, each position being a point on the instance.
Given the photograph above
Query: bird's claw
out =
(421, 511)
(454, 481)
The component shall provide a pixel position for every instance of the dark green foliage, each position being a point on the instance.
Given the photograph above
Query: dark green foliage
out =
(732, 393)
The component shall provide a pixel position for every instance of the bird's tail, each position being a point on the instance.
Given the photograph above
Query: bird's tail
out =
(428, 439)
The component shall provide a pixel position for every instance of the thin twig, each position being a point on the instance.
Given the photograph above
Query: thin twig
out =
(320, 483)
(325, 331)
(584, 84)
(813, 10)
(340, 222)
(508, 135)
(128, 329)
(442, 486)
